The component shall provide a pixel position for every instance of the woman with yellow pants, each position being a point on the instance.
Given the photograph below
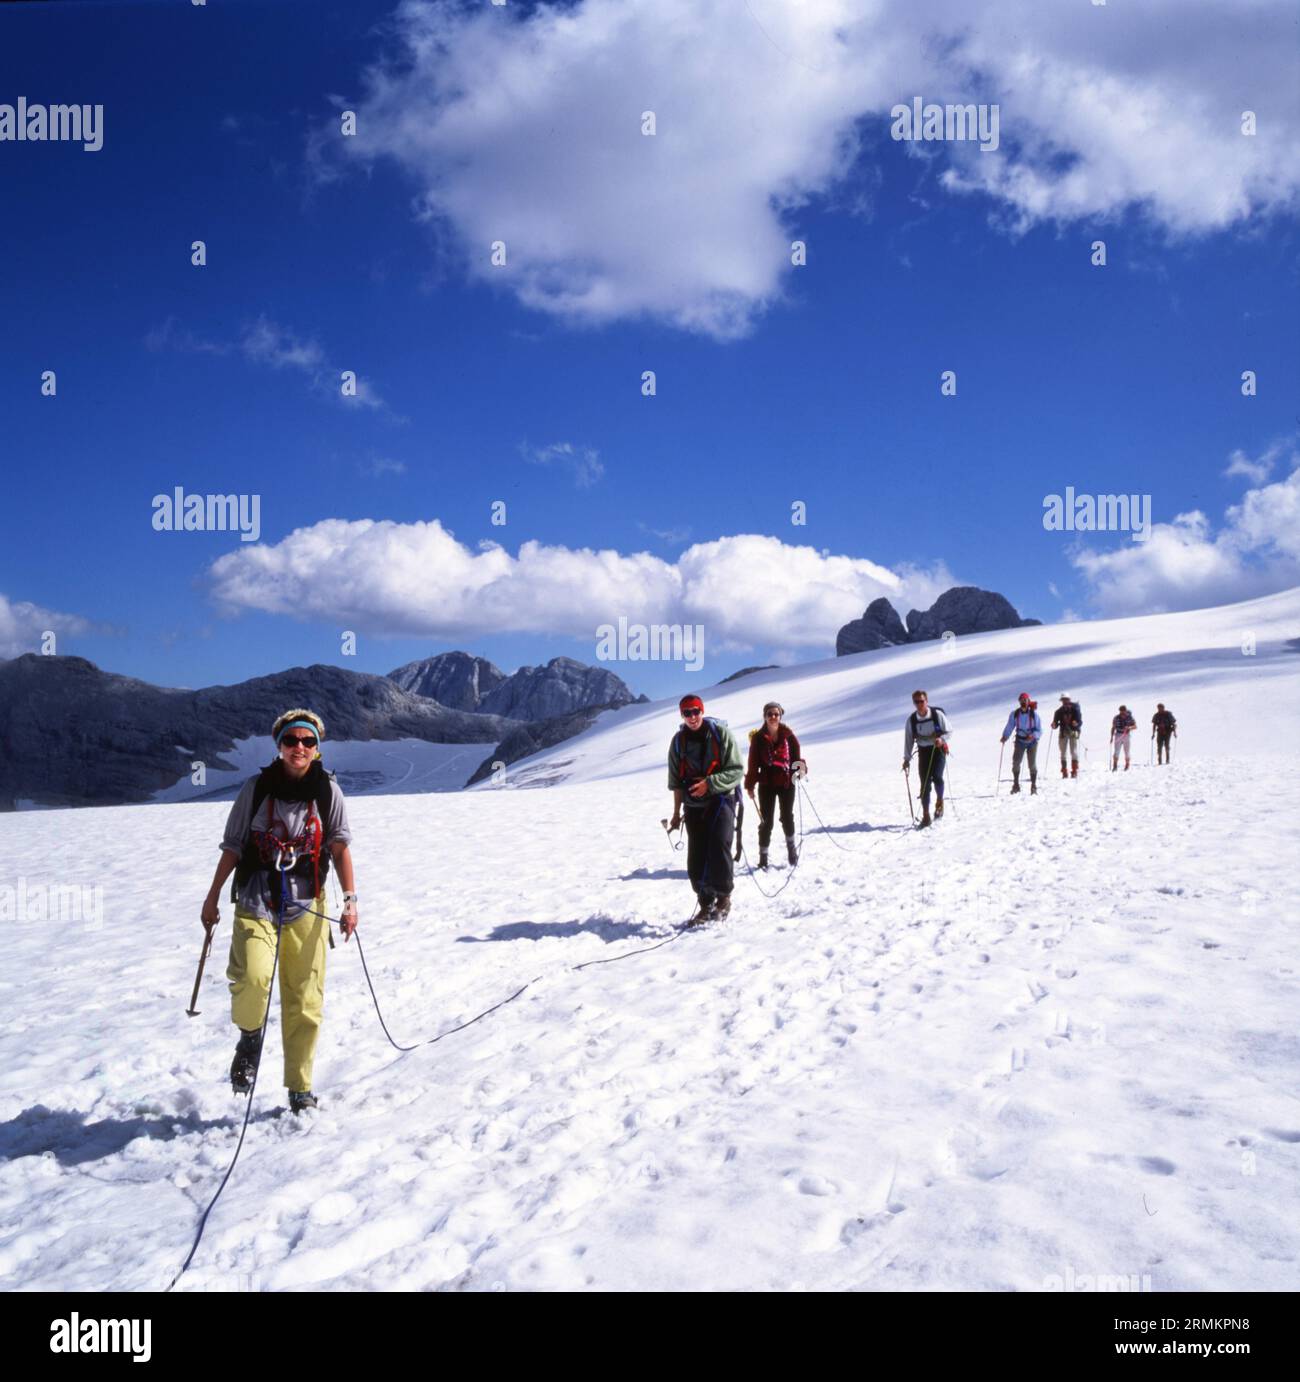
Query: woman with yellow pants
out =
(284, 828)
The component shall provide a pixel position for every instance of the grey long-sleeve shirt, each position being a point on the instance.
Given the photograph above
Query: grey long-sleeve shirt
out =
(928, 728)
(254, 897)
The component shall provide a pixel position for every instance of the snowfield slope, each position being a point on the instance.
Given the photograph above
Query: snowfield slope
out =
(1050, 1041)
(851, 709)
(384, 767)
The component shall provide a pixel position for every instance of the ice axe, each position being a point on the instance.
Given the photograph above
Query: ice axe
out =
(668, 830)
(192, 1011)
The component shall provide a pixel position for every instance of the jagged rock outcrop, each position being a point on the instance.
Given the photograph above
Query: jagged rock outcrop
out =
(963, 609)
(457, 680)
(879, 627)
(560, 688)
(532, 693)
(73, 735)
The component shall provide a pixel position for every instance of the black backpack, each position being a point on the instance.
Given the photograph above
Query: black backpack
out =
(1070, 719)
(935, 712)
(250, 862)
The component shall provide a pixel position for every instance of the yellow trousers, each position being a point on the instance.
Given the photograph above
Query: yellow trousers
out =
(302, 983)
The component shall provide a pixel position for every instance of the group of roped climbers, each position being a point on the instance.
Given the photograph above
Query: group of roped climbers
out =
(290, 821)
(705, 773)
(1023, 723)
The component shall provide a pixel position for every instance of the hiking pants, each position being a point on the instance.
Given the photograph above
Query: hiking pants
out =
(302, 983)
(1162, 747)
(1121, 738)
(1073, 742)
(1021, 749)
(710, 830)
(768, 796)
(930, 763)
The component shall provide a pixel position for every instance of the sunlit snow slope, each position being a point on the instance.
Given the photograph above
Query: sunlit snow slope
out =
(1051, 1040)
(363, 767)
(854, 707)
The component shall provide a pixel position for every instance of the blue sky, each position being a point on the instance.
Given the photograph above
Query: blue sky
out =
(817, 384)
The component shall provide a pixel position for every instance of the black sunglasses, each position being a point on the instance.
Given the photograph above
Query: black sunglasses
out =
(307, 741)
(689, 714)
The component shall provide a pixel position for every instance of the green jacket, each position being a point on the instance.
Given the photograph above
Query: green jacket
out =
(689, 760)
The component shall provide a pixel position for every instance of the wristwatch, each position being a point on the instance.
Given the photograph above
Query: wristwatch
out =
(349, 897)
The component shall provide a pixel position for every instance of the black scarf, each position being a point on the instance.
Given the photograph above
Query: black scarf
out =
(282, 787)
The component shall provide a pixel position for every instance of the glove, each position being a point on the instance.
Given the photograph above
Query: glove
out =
(943, 746)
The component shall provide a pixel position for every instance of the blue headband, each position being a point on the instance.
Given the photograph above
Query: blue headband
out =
(297, 724)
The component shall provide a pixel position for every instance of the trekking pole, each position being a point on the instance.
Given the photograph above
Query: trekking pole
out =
(668, 830)
(907, 773)
(1001, 755)
(1151, 749)
(192, 1011)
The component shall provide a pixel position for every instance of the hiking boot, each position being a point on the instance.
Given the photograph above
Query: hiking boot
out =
(705, 912)
(722, 908)
(938, 808)
(1126, 765)
(1064, 771)
(762, 858)
(1015, 787)
(300, 1100)
(243, 1068)
(925, 818)
(1074, 768)
(791, 850)
(1033, 789)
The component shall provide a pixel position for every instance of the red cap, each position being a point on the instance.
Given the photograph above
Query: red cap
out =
(690, 703)
(1024, 695)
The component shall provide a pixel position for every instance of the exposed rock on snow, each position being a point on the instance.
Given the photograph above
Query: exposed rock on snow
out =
(961, 610)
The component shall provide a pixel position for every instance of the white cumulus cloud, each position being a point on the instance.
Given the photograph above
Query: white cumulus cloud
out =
(23, 626)
(527, 129)
(1188, 563)
(385, 577)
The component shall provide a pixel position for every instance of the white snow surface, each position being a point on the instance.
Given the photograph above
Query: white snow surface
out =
(1052, 1039)
(363, 766)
